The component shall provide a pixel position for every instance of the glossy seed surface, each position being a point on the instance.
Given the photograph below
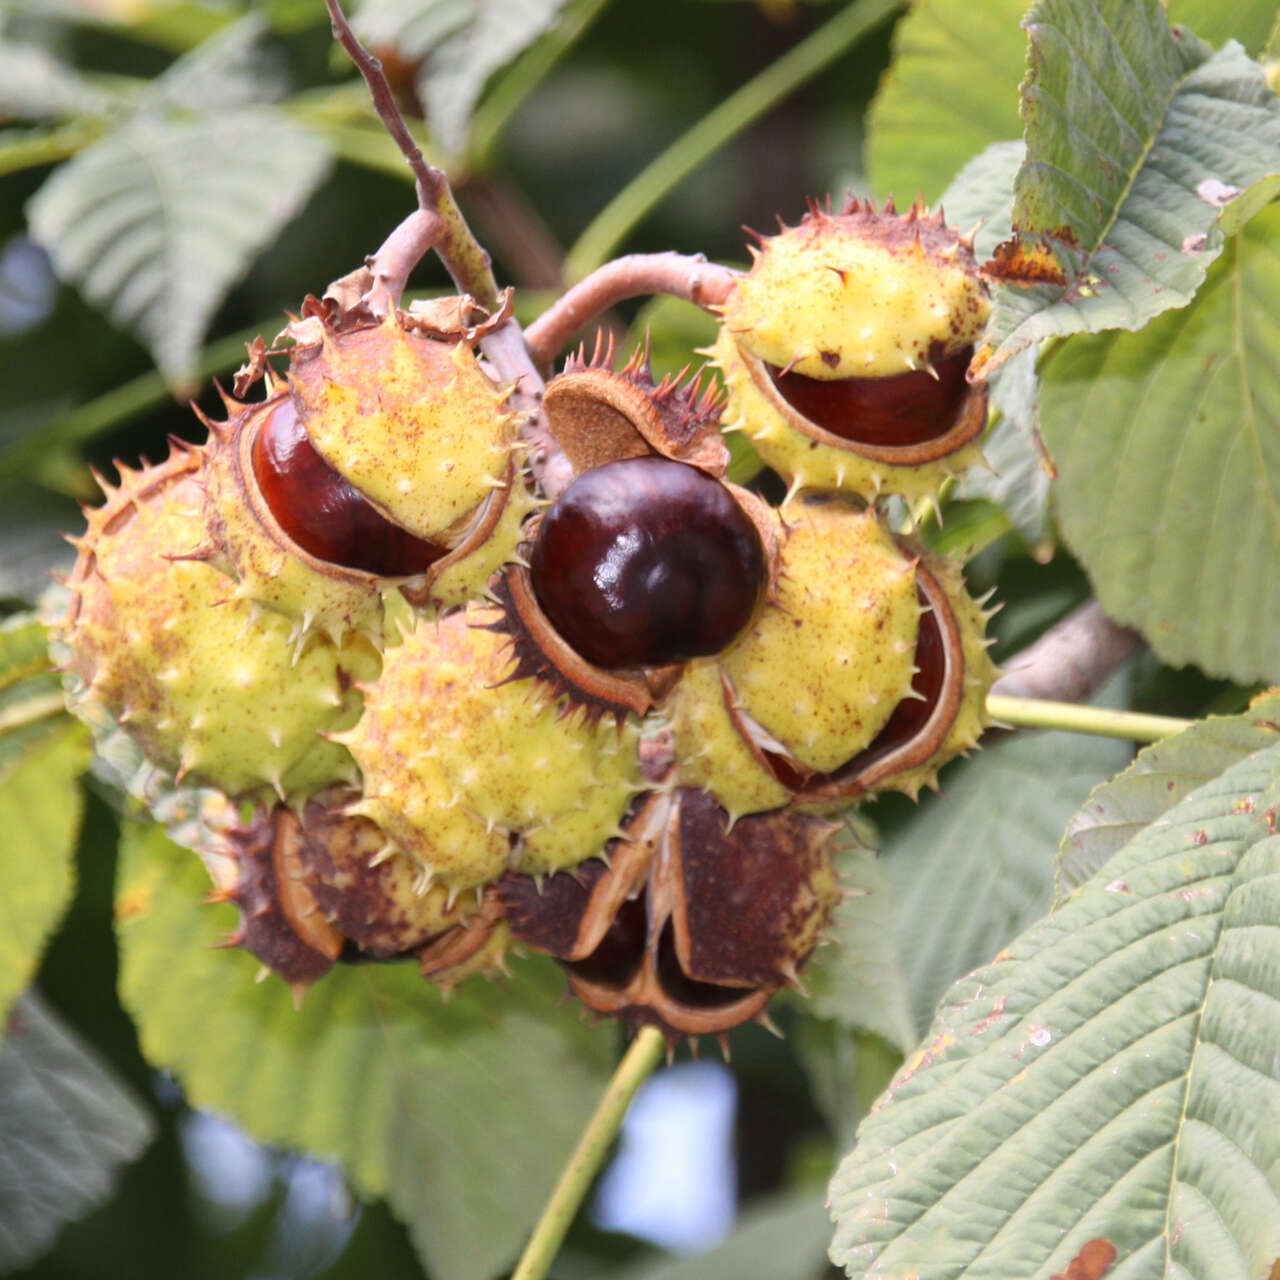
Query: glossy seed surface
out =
(646, 561)
(902, 409)
(325, 514)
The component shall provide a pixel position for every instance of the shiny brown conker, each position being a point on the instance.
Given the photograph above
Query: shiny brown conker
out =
(901, 409)
(324, 514)
(646, 561)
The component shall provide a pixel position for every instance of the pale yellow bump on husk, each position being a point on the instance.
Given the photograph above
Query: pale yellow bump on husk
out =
(823, 666)
(827, 286)
(712, 754)
(454, 759)
(411, 422)
(209, 686)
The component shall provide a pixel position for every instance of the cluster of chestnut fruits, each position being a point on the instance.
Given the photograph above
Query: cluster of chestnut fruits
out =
(452, 712)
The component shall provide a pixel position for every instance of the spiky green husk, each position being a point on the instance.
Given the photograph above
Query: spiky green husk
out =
(710, 752)
(411, 422)
(817, 674)
(246, 542)
(211, 688)
(859, 294)
(824, 663)
(979, 674)
(758, 411)
(469, 771)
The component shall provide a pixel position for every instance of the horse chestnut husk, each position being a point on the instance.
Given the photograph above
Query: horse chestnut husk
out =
(646, 561)
(325, 514)
(845, 351)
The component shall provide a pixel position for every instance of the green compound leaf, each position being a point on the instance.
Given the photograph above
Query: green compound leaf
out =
(1112, 1075)
(1133, 133)
(24, 656)
(1015, 477)
(1239, 209)
(42, 755)
(230, 68)
(459, 44)
(37, 85)
(982, 192)
(858, 979)
(67, 1127)
(1168, 446)
(990, 833)
(455, 74)
(460, 1114)
(783, 1238)
(1159, 778)
(951, 89)
(1249, 21)
(157, 220)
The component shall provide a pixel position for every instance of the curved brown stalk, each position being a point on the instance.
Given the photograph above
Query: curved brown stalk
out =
(692, 277)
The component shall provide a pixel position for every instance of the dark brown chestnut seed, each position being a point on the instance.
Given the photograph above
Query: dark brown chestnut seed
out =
(646, 561)
(902, 409)
(324, 514)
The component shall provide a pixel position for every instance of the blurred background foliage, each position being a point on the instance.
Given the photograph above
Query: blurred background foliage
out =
(706, 117)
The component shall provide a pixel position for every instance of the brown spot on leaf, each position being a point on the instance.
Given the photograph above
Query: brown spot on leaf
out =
(923, 1058)
(997, 1012)
(1028, 260)
(1091, 1263)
